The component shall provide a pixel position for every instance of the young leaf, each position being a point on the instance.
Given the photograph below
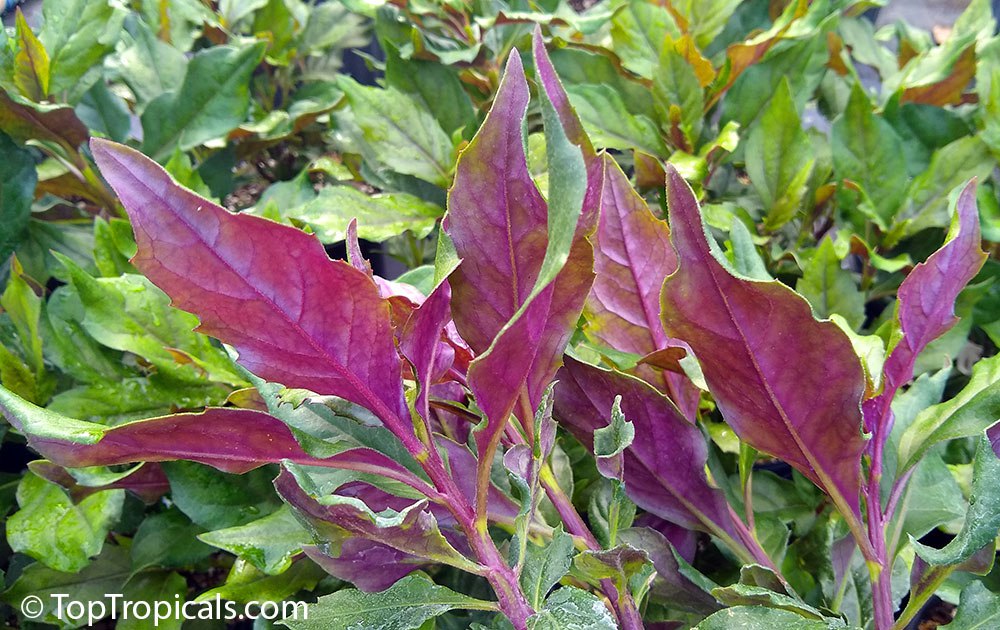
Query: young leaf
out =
(544, 566)
(191, 248)
(335, 518)
(926, 302)
(229, 439)
(632, 256)
(31, 69)
(398, 132)
(665, 464)
(809, 417)
(406, 605)
(780, 159)
(868, 152)
(212, 100)
(982, 522)
(52, 528)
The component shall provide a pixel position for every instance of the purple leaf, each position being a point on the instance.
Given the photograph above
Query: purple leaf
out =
(926, 304)
(558, 97)
(368, 565)
(665, 464)
(269, 290)
(421, 344)
(632, 257)
(516, 299)
(229, 439)
(787, 384)
(147, 481)
(335, 518)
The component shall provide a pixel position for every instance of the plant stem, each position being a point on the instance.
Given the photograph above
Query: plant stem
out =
(880, 567)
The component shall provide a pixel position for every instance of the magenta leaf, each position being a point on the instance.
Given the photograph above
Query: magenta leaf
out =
(146, 481)
(525, 268)
(664, 467)
(229, 439)
(368, 565)
(335, 518)
(421, 344)
(787, 384)
(557, 96)
(269, 290)
(632, 256)
(926, 304)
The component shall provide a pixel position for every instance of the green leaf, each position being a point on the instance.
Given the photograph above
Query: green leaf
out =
(678, 97)
(105, 113)
(617, 436)
(760, 618)
(982, 521)
(215, 499)
(167, 539)
(830, 288)
(867, 151)
(380, 216)
(927, 197)
(759, 586)
(779, 159)
(78, 34)
(638, 29)
(152, 587)
(31, 63)
(268, 543)
(213, 100)
(393, 129)
(246, 584)
(610, 511)
(104, 576)
(570, 608)
(619, 564)
(130, 313)
(609, 123)
(543, 567)
(150, 66)
(705, 18)
(988, 89)
(969, 413)
(17, 190)
(406, 604)
(51, 528)
(746, 259)
(979, 608)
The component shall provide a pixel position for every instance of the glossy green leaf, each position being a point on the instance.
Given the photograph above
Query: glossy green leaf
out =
(638, 29)
(268, 543)
(780, 159)
(978, 609)
(94, 583)
(380, 216)
(406, 604)
(54, 530)
(167, 539)
(395, 131)
(17, 191)
(212, 100)
(975, 408)
(982, 521)
(868, 152)
(760, 618)
(216, 500)
(830, 288)
(246, 584)
(78, 34)
(570, 608)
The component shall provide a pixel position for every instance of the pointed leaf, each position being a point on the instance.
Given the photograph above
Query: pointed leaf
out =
(52, 528)
(632, 257)
(212, 100)
(810, 418)
(926, 302)
(982, 522)
(545, 566)
(665, 464)
(335, 518)
(406, 605)
(227, 438)
(23, 121)
(243, 275)
(31, 69)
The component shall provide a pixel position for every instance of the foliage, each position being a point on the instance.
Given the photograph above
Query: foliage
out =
(697, 326)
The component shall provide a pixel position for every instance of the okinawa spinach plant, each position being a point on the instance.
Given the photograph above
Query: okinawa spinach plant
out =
(418, 431)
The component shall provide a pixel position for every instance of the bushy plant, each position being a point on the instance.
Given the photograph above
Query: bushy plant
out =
(575, 415)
